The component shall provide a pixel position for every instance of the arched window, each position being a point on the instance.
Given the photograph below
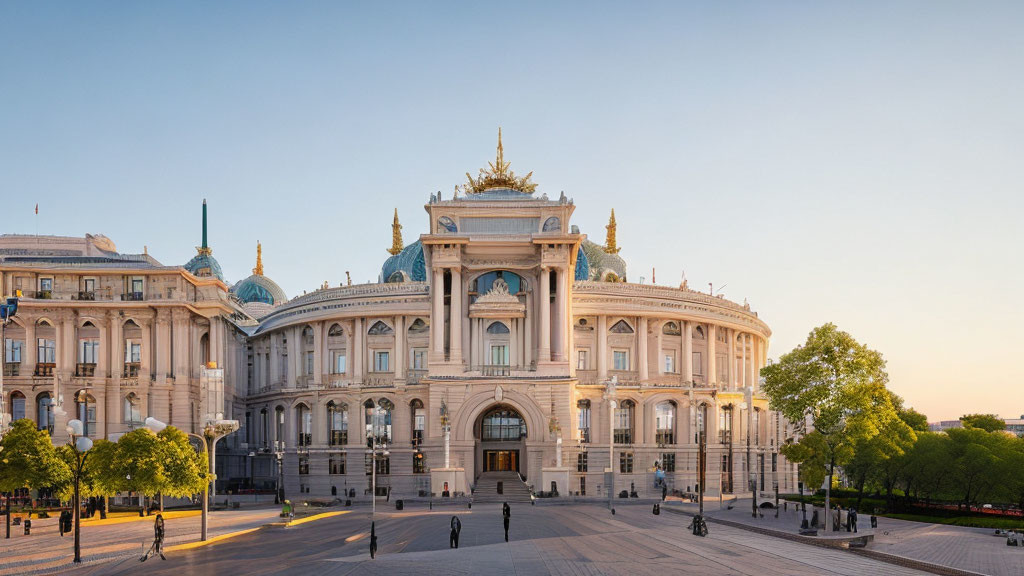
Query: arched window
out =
(279, 425)
(757, 426)
(621, 327)
(419, 422)
(264, 428)
(552, 224)
(44, 412)
(379, 328)
(337, 420)
(503, 424)
(378, 422)
(670, 329)
(497, 328)
(725, 424)
(132, 410)
(204, 348)
(335, 331)
(583, 419)
(702, 420)
(624, 422)
(17, 406)
(85, 408)
(418, 327)
(665, 422)
(304, 425)
(698, 333)
(446, 224)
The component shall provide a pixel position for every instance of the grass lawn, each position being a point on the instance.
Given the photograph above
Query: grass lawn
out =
(973, 521)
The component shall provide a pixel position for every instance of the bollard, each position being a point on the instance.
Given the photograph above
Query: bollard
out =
(28, 527)
(874, 522)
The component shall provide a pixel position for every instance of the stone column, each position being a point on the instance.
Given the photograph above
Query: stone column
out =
(357, 350)
(275, 358)
(146, 354)
(601, 354)
(687, 360)
(318, 353)
(455, 323)
(437, 319)
(117, 358)
(659, 354)
(163, 347)
(400, 347)
(743, 371)
(560, 315)
(528, 331)
(712, 372)
(30, 353)
(641, 348)
(544, 353)
(513, 343)
(731, 364)
(182, 412)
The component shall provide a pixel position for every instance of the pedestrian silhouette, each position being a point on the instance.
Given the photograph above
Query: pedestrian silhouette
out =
(453, 541)
(373, 540)
(158, 539)
(505, 513)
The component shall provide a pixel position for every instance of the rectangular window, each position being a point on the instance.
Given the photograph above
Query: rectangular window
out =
(499, 355)
(46, 351)
(46, 284)
(309, 363)
(336, 463)
(132, 351)
(90, 284)
(620, 360)
(136, 285)
(303, 464)
(12, 350)
(698, 368)
(583, 420)
(668, 462)
(581, 462)
(418, 359)
(380, 361)
(626, 462)
(670, 362)
(89, 351)
(581, 360)
(339, 363)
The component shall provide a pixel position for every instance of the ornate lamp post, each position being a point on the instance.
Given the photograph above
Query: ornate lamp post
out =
(374, 444)
(82, 444)
(609, 395)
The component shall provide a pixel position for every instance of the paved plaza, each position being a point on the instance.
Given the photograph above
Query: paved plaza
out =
(583, 539)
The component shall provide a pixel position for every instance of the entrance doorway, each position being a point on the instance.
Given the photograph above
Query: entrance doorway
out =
(501, 460)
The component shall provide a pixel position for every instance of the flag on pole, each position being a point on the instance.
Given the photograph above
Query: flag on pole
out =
(37, 208)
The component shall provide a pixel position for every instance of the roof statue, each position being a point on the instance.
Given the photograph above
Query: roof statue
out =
(396, 237)
(498, 176)
(258, 270)
(609, 243)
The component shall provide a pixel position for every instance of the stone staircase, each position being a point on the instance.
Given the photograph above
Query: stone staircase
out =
(515, 490)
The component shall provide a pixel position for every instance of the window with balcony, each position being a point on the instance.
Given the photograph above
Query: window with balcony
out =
(46, 350)
(337, 418)
(583, 419)
(378, 423)
(626, 462)
(419, 422)
(44, 412)
(581, 462)
(620, 359)
(45, 288)
(623, 432)
(665, 422)
(725, 425)
(12, 351)
(499, 355)
(383, 465)
(88, 352)
(132, 410)
(304, 421)
(380, 361)
(418, 359)
(336, 463)
(279, 424)
(85, 409)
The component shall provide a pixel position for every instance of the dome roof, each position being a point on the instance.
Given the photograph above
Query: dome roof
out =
(205, 265)
(407, 265)
(601, 263)
(259, 288)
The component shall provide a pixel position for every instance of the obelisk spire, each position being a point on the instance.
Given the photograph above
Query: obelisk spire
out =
(258, 270)
(609, 242)
(396, 236)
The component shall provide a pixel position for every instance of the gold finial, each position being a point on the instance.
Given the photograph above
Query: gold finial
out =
(609, 242)
(258, 270)
(396, 236)
(498, 176)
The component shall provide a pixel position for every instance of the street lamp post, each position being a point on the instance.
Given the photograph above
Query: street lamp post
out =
(609, 395)
(82, 444)
(376, 425)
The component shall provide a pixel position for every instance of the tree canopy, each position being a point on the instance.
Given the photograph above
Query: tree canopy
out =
(986, 422)
(29, 460)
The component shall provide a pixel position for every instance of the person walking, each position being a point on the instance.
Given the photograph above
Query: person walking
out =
(453, 540)
(852, 518)
(505, 513)
(373, 540)
(158, 539)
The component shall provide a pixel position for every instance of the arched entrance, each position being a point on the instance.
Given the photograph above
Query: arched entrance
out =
(500, 435)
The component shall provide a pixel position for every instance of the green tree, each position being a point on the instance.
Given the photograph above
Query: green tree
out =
(97, 478)
(139, 462)
(185, 468)
(833, 388)
(918, 422)
(28, 459)
(986, 422)
(926, 473)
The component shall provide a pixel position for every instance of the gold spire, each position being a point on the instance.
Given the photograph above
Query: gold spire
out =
(258, 270)
(498, 176)
(609, 242)
(396, 236)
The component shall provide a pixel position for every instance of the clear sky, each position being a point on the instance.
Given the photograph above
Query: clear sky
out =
(859, 163)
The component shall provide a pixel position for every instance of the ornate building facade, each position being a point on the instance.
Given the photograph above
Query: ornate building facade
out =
(502, 340)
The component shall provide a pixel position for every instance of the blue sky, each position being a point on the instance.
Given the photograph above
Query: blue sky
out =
(850, 162)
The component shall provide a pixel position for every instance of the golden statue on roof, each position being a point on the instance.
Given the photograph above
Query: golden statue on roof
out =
(498, 176)
(258, 270)
(396, 237)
